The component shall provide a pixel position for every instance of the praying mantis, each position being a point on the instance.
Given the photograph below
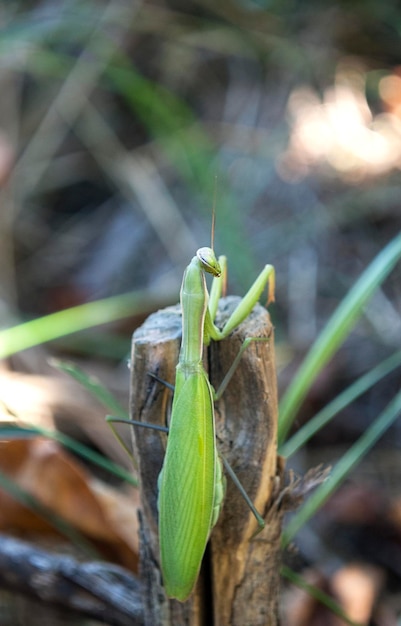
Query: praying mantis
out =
(191, 485)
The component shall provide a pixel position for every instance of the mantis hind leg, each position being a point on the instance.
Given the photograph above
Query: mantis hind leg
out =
(242, 490)
(217, 394)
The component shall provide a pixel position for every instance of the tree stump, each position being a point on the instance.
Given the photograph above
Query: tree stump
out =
(239, 580)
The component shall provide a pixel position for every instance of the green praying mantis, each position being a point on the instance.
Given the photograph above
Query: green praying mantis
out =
(191, 485)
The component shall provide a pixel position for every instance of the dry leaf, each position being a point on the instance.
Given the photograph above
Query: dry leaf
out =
(58, 402)
(46, 471)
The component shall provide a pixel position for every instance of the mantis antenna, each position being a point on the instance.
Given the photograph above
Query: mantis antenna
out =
(213, 213)
(224, 283)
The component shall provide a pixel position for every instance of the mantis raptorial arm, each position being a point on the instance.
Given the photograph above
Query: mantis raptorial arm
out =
(244, 308)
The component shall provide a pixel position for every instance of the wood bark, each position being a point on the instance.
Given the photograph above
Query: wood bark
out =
(239, 581)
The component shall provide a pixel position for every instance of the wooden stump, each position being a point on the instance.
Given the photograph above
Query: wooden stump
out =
(239, 581)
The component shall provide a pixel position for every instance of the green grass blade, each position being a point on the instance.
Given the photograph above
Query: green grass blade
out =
(91, 384)
(335, 332)
(33, 504)
(100, 392)
(318, 594)
(339, 403)
(88, 315)
(343, 467)
(12, 432)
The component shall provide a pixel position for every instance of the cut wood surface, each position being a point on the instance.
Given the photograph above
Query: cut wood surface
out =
(239, 581)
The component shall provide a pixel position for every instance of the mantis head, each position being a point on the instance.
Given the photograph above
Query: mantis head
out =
(208, 261)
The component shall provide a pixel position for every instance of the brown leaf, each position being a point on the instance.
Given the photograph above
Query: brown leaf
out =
(58, 402)
(46, 471)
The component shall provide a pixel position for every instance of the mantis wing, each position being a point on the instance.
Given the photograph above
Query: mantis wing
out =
(187, 483)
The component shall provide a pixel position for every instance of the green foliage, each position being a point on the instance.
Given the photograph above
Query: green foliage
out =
(18, 432)
(343, 467)
(33, 504)
(335, 332)
(263, 37)
(81, 317)
(318, 594)
(344, 399)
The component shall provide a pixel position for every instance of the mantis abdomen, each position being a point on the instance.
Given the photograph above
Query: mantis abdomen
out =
(190, 485)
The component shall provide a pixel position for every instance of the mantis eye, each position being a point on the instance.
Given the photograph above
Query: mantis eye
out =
(209, 262)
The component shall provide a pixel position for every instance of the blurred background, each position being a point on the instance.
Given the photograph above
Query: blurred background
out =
(122, 123)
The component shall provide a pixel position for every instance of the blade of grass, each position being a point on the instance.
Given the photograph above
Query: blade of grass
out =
(91, 384)
(318, 594)
(343, 468)
(335, 332)
(96, 343)
(33, 504)
(8, 432)
(102, 394)
(339, 403)
(81, 317)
